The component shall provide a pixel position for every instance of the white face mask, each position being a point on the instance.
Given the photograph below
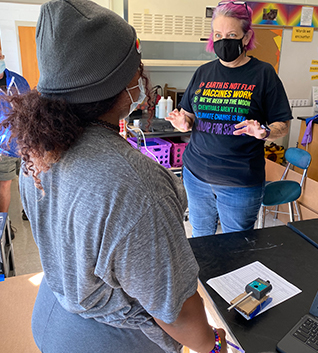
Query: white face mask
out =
(142, 95)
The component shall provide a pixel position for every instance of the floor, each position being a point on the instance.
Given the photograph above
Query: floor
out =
(26, 254)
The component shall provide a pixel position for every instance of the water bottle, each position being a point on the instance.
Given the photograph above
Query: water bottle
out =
(169, 105)
(162, 108)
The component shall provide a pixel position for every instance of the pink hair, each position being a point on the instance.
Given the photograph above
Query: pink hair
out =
(235, 11)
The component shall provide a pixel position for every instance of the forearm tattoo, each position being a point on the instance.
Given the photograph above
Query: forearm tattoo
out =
(278, 129)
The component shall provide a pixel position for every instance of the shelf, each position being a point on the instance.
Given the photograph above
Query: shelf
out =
(176, 65)
(158, 133)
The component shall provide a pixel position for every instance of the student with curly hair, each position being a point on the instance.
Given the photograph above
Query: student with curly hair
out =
(119, 273)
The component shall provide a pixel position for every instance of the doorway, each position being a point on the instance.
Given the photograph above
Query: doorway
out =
(29, 62)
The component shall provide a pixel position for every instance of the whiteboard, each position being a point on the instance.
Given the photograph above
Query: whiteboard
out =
(294, 66)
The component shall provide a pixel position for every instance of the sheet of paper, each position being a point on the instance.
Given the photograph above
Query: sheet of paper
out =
(230, 285)
(306, 16)
(314, 94)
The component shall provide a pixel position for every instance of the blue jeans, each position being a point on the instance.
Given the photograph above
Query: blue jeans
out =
(236, 207)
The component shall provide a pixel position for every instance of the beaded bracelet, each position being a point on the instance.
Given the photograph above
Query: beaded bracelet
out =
(217, 347)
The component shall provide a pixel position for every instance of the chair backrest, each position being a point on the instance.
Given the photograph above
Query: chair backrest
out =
(299, 158)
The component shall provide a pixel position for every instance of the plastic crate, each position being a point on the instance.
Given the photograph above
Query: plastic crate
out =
(176, 152)
(159, 148)
(123, 130)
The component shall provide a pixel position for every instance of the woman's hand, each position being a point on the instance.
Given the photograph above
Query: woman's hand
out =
(192, 329)
(251, 128)
(182, 120)
(222, 333)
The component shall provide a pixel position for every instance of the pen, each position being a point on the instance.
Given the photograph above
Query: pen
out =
(235, 346)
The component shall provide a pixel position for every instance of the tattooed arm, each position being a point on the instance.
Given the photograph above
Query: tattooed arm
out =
(278, 129)
(253, 128)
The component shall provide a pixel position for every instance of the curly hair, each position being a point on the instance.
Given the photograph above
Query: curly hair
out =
(45, 128)
(240, 12)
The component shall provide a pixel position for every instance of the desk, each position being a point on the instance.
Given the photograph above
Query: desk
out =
(281, 250)
(307, 229)
(16, 305)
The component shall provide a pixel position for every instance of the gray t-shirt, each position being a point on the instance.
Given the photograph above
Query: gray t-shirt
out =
(110, 234)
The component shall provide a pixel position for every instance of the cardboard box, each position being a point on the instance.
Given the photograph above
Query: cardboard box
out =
(308, 201)
(16, 305)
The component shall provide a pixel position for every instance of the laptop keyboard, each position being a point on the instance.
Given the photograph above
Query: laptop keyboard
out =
(308, 333)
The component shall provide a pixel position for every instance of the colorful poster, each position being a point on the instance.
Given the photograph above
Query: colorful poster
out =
(266, 13)
(270, 13)
(315, 17)
(294, 15)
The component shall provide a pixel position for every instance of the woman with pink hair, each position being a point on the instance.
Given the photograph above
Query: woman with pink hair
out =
(232, 104)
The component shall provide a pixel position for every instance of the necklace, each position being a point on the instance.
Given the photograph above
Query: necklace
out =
(106, 125)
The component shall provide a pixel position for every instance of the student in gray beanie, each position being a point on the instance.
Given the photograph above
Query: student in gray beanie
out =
(119, 274)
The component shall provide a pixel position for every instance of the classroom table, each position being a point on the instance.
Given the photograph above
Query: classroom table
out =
(307, 229)
(281, 250)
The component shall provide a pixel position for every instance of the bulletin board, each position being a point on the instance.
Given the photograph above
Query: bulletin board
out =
(294, 62)
(296, 65)
(268, 45)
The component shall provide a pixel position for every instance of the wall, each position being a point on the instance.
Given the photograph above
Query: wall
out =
(13, 14)
(295, 61)
(293, 71)
(105, 3)
(10, 14)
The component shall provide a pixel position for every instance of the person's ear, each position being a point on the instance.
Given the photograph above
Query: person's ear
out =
(247, 38)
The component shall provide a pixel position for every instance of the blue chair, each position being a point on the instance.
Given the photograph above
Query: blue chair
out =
(286, 191)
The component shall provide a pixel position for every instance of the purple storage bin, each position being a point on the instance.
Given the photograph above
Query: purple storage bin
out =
(177, 149)
(157, 146)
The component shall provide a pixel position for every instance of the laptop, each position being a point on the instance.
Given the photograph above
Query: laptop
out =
(303, 337)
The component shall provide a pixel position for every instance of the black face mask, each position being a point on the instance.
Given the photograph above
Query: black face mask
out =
(228, 49)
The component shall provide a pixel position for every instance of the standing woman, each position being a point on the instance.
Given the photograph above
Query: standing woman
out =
(233, 104)
(119, 274)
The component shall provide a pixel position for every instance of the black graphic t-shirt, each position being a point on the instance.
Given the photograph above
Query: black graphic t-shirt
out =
(221, 97)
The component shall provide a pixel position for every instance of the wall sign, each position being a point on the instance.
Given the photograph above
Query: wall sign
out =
(302, 34)
(270, 13)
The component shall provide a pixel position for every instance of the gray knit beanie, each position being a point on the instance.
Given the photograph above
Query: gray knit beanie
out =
(86, 53)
